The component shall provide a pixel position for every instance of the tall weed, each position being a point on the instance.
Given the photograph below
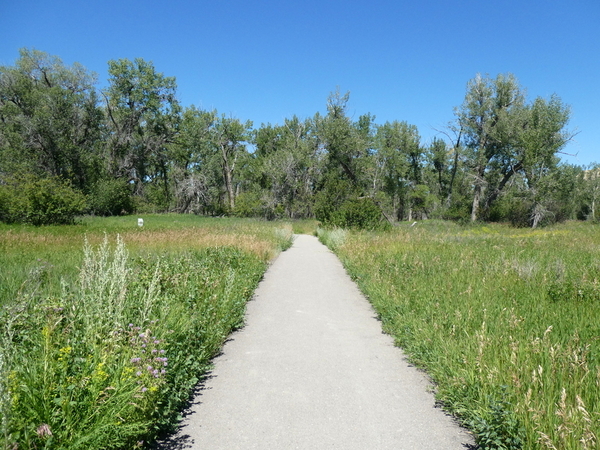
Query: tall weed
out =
(110, 362)
(332, 238)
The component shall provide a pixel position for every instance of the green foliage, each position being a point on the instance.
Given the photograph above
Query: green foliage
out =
(332, 195)
(144, 115)
(248, 204)
(111, 197)
(50, 119)
(286, 168)
(505, 136)
(500, 430)
(421, 200)
(358, 213)
(52, 124)
(228, 141)
(39, 201)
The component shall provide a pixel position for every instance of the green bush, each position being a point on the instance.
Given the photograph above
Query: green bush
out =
(331, 197)
(421, 200)
(358, 213)
(500, 428)
(111, 197)
(39, 201)
(248, 204)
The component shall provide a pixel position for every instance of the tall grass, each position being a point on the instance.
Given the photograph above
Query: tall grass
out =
(106, 358)
(332, 238)
(37, 258)
(505, 321)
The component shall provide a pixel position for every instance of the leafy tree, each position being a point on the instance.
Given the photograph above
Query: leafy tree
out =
(229, 139)
(438, 157)
(346, 144)
(400, 158)
(196, 176)
(505, 136)
(421, 201)
(488, 117)
(49, 119)
(338, 136)
(289, 166)
(349, 157)
(591, 181)
(144, 116)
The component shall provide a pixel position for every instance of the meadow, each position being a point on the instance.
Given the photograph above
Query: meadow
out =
(505, 321)
(107, 326)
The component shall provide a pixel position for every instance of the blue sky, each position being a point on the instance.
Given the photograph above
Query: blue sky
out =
(266, 61)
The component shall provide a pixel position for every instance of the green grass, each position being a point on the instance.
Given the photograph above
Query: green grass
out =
(506, 321)
(305, 226)
(102, 343)
(51, 253)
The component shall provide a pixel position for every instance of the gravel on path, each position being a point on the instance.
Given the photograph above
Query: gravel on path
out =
(312, 370)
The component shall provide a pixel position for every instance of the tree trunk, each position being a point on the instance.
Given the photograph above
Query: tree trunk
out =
(478, 192)
(476, 200)
(537, 215)
(454, 170)
(228, 177)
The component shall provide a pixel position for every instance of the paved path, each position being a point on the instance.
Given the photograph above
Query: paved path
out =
(312, 370)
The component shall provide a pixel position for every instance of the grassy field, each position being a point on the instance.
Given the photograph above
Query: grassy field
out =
(107, 326)
(54, 252)
(506, 321)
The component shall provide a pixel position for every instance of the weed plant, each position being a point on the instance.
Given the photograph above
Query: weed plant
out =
(107, 358)
(332, 238)
(505, 321)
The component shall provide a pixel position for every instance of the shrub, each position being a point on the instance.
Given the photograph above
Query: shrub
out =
(358, 213)
(331, 197)
(500, 430)
(40, 201)
(248, 204)
(111, 197)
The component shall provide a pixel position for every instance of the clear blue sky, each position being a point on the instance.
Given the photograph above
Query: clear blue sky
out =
(268, 60)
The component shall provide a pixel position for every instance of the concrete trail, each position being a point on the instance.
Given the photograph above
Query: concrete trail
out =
(312, 370)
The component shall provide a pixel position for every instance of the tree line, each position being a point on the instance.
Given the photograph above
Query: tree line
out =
(69, 148)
